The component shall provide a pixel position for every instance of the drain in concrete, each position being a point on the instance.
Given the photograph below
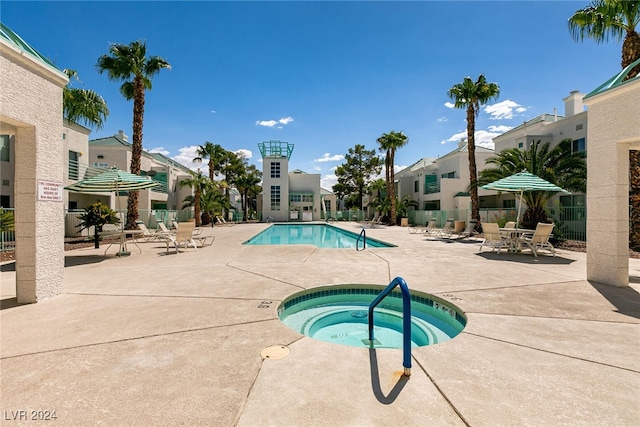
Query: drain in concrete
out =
(275, 352)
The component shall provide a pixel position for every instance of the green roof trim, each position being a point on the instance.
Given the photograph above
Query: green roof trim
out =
(615, 81)
(275, 149)
(462, 194)
(12, 38)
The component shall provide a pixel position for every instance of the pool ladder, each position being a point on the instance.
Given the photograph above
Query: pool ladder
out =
(363, 235)
(406, 319)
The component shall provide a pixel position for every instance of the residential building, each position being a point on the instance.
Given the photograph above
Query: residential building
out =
(115, 151)
(289, 196)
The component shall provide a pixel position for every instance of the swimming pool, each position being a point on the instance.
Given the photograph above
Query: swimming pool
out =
(339, 314)
(320, 235)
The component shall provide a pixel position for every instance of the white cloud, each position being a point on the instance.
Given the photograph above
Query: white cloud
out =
(398, 168)
(442, 119)
(449, 105)
(186, 155)
(484, 138)
(317, 168)
(244, 153)
(506, 109)
(328, 181)
(500, 129)
(327, 157)
(160, 150)
(272, 123)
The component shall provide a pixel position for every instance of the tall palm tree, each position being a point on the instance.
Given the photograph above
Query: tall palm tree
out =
(83, 105)
(232, 166)
(558, 165)
(616, 19)
(247, 184)
(471, 95)
(389, 143)
(199, 183)
(130, 65)
(215, 153)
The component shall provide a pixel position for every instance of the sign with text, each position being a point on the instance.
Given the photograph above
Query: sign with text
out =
(49, 191)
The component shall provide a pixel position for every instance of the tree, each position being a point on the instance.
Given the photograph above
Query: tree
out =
(355, 175)
(616, 19)
(215, 153)
(471, 95)
(247, 185)
(232, 166)
(199, 184)
(97, 215)
(558, 165)
(130, 65)
(390, 142)
(83, 105)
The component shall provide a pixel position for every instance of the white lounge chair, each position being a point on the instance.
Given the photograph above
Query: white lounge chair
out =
(149, 235)
(492, 237)
(446, 230)
(183, 236)
(540, 239)
(469, 230)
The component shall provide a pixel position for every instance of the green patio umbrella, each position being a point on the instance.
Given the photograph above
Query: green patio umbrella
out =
(521, 182)
(113, 180)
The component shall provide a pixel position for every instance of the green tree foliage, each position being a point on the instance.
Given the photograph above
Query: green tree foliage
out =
(558, 165)
(83, 105)
(216, 155)
(97, 215)
(129, 64)
(355, 175)
(249, 188)
(389, 143)
(471, 95)
(199, 183)
(7, 221)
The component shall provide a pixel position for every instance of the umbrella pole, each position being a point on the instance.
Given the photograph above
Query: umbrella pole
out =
(519, 209)
(121, 251)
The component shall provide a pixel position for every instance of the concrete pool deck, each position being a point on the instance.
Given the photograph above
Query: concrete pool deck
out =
(176, 339)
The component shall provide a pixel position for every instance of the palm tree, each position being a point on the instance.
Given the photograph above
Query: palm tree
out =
(616, 19)
(232, 167)
(130, 65)
(471, 95)
(83, 105)
(390, 142)
(199, 184)
(558, 165)
(215, 153)
(247, 184)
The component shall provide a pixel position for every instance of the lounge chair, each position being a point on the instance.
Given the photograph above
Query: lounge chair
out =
(149, 235)
(468, 231)
(540, 239)
(374, 222)
(183, 236)
(429, 228)
(446, 230)
(492, 237)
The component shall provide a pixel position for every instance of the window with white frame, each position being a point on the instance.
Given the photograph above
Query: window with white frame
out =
(275, 169)
(275, 197)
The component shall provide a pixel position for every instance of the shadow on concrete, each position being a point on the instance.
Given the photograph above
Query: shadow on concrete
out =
(70, 260)
(375, 381)
(526, 258)
(9, 303)
(625, 299)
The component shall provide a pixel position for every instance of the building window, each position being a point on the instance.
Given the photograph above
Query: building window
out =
(449, 175)
(4, 148)
(73, 165)
(327, 205)
(578, 145)
(431, 184)
(307, 198)
(509, 204)
(416, 186)
(275, 169)
(520, 144)
(275, 197)
(5, 201)
(579, 126)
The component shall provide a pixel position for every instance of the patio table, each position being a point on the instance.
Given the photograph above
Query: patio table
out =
(514, 237)
(123, 241)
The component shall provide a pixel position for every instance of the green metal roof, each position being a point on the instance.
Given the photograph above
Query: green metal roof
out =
(275, 149)
(615, 81)
(12, 38)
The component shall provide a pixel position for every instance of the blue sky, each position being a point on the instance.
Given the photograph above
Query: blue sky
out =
(321, 75)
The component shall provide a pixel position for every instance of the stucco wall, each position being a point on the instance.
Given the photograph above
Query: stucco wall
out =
(31, 100)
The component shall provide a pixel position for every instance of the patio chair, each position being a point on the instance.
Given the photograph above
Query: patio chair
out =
(446, 230)
(183, 236)
(149, 235)
(539, 239)
(492, 237)
(468, 231)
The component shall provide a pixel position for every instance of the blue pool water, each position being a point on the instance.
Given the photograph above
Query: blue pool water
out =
(320, 235)
(339, 314)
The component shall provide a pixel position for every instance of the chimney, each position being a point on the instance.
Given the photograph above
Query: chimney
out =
(122, 136)
(573, 103)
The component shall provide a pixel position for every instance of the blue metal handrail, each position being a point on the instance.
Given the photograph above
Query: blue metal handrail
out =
(406, 319)
(363, 234)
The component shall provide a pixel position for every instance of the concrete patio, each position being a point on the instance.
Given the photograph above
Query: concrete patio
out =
(176, 339)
